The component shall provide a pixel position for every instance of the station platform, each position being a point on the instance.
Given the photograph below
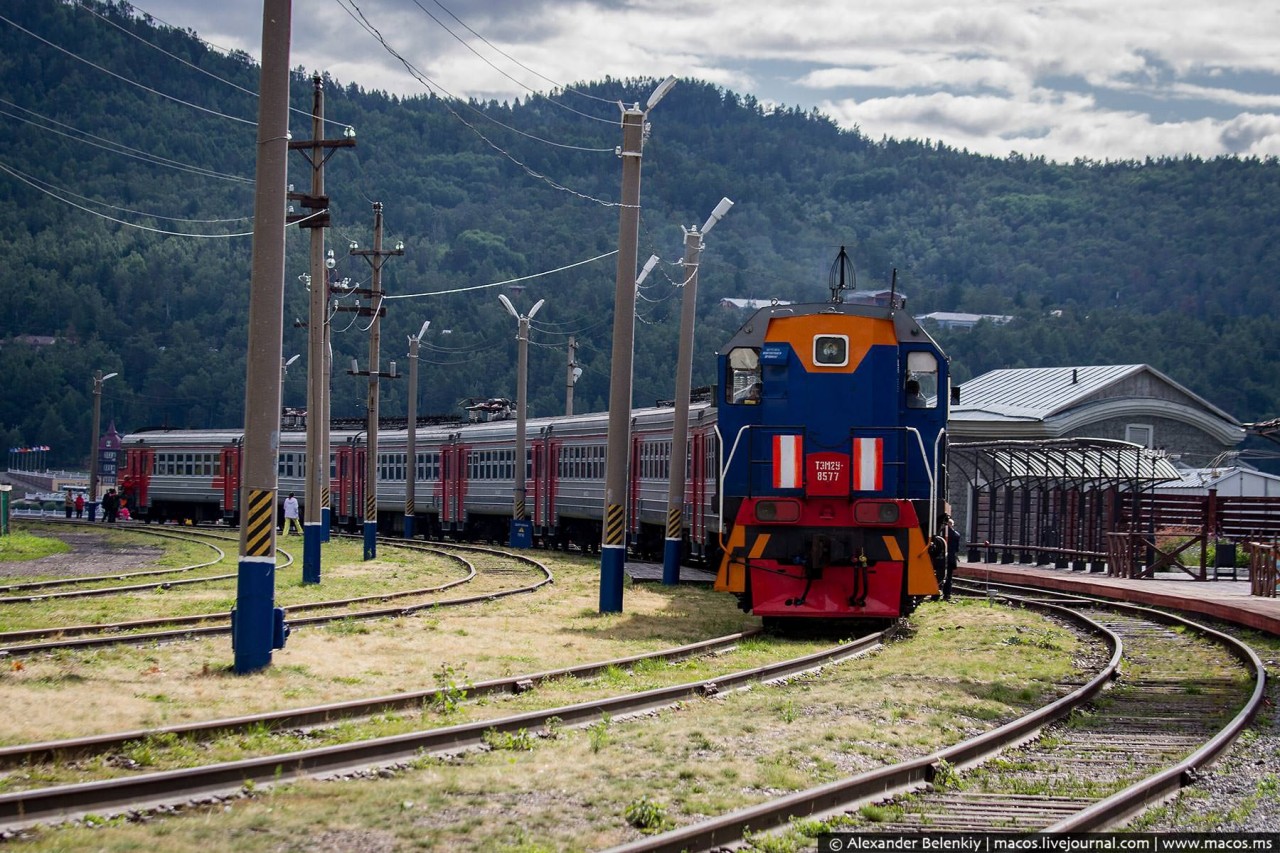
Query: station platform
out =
(1227, 600)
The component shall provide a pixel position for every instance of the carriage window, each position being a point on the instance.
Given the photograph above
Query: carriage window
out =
(831, 350)
(743, 385)
(920, 384)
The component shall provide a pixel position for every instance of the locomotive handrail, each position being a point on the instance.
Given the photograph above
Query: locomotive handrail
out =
(724, 470)
(933, 487)
(933, 481)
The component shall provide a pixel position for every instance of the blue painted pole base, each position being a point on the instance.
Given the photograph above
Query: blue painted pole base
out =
(671, 561)
(253, 620)
(408, 527)
(325, 523)
(371, 540)
(312, 538)
(613, 562)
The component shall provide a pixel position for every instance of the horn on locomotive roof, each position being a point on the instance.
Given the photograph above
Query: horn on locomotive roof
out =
(842, 262)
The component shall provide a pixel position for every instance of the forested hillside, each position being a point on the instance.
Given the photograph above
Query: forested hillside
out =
(1168, 262)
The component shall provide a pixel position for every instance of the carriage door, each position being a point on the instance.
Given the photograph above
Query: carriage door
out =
(229, 459)
(633, 508)
(453, 479)
(539, 449)
(697, 492)
(139, 463)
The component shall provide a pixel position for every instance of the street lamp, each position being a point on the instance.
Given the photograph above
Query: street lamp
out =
(519, 533)
(98, 379)
(613, 547)
(411, 449)
(684, 379)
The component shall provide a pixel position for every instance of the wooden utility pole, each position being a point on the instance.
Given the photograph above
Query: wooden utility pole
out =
(257, 624)
(316, 493)
(376, 257)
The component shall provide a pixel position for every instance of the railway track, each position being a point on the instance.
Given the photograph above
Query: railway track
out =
(16, 643)
(37, 591)
(1137, 743)
(163, 789)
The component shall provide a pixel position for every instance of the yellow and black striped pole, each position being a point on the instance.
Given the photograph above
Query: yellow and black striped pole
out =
(257, 626)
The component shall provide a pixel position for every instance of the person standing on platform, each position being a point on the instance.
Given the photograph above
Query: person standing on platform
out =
(291, 515)
(68, 503)
(79, 506)
(953, 557)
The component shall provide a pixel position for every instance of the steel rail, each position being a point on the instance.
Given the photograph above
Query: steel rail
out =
(199, 618)
(318, 715)
(900, 778)
(884, 781)
(119, 576)
(1133, 799)
(58, 803)
(102, 638)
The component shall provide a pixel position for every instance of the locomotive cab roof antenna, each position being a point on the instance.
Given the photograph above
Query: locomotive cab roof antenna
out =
(836, 279)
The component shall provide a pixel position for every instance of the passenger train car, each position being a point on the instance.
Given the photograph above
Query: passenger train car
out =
(464, 478)
(816, 474)
(832, 426)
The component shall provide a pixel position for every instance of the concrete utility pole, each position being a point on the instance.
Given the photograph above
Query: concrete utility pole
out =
(316, 492)
(613, 551)
(376, 257)
(257, 625)
(411, 449)
(519, 470)
(572, 372)
(98, 379)
(684, 380)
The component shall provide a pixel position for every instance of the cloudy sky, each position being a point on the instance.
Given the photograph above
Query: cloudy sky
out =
(1099, 79)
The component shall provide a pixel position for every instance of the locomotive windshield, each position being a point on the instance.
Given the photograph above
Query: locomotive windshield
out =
(920, 385)
(743, 385)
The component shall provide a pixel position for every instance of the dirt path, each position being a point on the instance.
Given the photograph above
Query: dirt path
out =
(92, 553)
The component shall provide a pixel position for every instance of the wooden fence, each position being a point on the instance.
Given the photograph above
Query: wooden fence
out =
(1134, 533)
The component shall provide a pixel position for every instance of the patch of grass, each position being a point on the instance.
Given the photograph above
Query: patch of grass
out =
(19, 546)
(451, 689)
(598, 733)
(517, 741)
(647, 816)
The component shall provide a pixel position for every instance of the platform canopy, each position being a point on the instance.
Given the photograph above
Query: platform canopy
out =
(1078, 462)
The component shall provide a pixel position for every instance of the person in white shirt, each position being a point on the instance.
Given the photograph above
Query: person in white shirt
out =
(291, 515)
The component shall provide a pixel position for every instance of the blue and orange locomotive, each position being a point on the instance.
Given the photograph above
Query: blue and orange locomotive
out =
(832, 428)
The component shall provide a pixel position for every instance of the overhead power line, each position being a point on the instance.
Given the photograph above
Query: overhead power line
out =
(124, 79)
(190, 65)
(113, 146)
(358, 16)
(485, 60)
(507, 281)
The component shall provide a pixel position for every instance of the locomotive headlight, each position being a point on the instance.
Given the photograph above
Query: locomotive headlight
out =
(876, 512)
(777, 512)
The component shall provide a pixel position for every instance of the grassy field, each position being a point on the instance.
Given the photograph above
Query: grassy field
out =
(584, 789)
(960, 669)
(20, 545)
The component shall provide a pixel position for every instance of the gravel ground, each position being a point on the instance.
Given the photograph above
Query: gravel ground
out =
(1241, 792)
(91, 554)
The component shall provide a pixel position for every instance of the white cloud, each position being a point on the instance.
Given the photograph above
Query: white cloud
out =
(1064, 80)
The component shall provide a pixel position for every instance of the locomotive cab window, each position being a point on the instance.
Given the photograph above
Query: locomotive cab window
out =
(920, 382)
(831, 350)
(743, 385)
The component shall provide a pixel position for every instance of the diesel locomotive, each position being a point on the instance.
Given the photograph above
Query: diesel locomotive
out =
(832, 427)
